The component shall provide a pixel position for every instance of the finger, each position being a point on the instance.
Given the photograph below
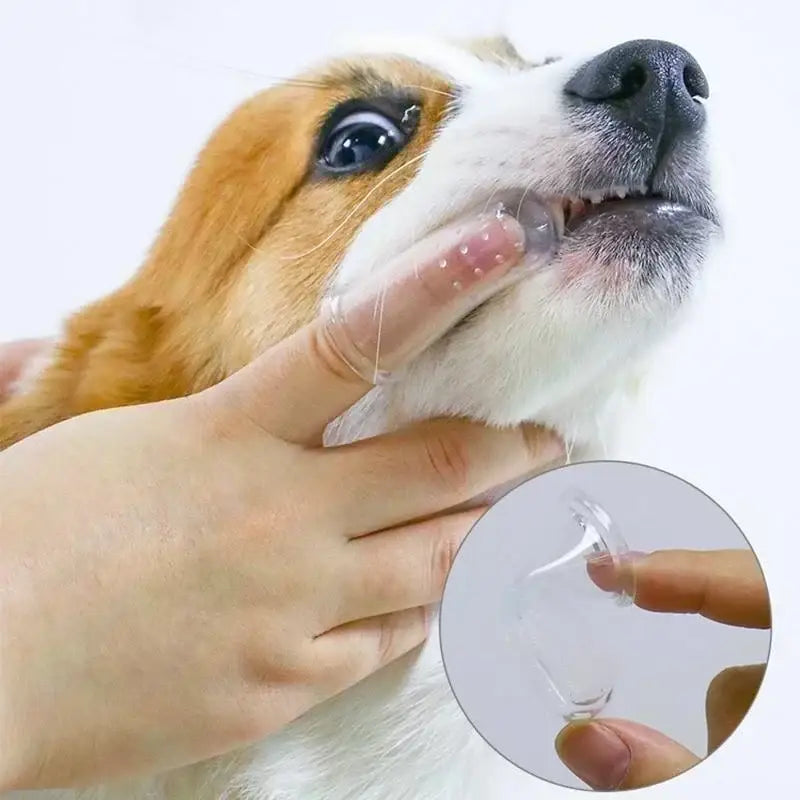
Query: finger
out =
(723, 585)
(729, 697)
(617, 754)
(15, 357)
(309, 379)
(401, 568)
(439, 464)
(459, 279)
(354, 651)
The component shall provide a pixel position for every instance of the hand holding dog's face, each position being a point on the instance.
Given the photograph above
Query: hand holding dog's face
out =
(186, 577)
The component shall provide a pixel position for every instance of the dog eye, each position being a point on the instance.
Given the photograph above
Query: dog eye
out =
(363, 139)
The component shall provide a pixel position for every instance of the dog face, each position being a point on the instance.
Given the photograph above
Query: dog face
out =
(318, 183)
(616, 145)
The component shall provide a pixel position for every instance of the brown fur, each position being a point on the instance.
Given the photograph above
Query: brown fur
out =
(240, 263)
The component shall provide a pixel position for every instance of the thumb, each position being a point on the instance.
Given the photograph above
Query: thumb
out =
(618, 754)
(379, 325)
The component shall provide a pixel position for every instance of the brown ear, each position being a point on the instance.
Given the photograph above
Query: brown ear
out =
(140, 344)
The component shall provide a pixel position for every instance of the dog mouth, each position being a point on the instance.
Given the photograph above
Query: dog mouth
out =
(571, 212)
(628, 243)
(621, 208)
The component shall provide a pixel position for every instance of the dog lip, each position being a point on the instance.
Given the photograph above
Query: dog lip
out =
(640, 197)
(651, 203)
(576, 209)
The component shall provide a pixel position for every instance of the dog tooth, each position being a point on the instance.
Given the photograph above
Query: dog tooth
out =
(622, 193)
(596, 198)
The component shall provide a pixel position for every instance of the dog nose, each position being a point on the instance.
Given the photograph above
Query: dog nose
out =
(650, 85)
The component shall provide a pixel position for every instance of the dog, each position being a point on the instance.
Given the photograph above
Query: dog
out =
(318, 182)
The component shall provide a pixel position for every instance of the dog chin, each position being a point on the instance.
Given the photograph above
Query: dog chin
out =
(635, 253)
(478, 373)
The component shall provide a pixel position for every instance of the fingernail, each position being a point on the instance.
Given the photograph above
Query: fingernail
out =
(615, 573)
(595, 753)
(537, 225)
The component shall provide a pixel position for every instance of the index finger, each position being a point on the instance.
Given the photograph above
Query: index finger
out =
(723, 585)
(380, 325)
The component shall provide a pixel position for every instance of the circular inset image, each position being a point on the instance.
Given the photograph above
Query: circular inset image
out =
(605, 625)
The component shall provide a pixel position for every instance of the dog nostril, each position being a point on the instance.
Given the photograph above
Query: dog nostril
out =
(695, 82)
(631, 82)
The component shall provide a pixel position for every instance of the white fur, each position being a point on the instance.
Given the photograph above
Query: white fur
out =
(541, 351)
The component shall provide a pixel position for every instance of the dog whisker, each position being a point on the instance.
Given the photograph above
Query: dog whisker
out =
(491, 197)
(441, 92)
(381, 305)
(355, 209)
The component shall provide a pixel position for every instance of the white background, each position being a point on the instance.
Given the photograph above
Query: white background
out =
(104, 105)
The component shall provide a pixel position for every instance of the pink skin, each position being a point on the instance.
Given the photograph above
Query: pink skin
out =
(14, 360)
(613, 754)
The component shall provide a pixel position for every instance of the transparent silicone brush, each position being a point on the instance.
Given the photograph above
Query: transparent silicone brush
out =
(561, 620)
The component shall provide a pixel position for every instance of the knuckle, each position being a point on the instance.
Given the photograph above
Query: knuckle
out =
(399, 633)
(386, 640)
(448, 460)
(444, 552)
(391, 636)
(281, 666)
(356, 661)
(723, 684)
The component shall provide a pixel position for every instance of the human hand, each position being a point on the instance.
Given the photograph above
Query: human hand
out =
(183, 578)
(726, 586)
